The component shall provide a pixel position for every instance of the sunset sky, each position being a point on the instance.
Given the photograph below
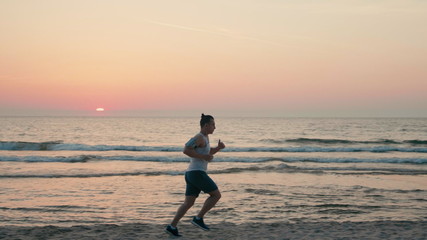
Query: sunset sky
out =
(288, 58)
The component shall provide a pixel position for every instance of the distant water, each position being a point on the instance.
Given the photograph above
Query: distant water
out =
(52, 169)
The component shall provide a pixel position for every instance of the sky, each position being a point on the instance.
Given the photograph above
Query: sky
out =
(289, 58)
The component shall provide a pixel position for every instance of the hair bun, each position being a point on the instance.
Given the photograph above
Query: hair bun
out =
(205, 119)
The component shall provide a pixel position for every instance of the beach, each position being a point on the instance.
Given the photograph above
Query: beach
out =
(225, 230)
(93, 178)
(251, 208)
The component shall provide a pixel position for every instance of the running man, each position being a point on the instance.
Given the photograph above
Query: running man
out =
(200, 152)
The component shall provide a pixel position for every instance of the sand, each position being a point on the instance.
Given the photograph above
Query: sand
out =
(314, 230)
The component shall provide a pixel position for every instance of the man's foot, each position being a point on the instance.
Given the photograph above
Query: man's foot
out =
(172, 231)
(198, 222)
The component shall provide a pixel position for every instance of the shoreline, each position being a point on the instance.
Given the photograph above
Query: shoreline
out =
(226, 230)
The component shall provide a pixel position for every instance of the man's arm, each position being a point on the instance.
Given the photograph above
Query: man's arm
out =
(191, 152)
(220, 146)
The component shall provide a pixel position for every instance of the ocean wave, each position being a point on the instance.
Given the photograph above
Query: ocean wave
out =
(90, 175)
(343, 141)
(416, 142)
(60, 146)
(68, 159)
(378, 149)
(244, 159)
(280, 168)
(87, 158)
(28, 146)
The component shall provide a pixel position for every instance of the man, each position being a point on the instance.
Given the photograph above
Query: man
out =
(200, 152)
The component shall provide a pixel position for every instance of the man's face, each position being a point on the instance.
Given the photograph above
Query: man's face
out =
(210, 126)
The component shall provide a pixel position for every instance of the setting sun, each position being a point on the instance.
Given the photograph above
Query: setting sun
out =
(100, 109)
(302, 58)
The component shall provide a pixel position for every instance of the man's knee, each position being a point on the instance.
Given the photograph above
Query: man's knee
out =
(216, 194)
(188, 203)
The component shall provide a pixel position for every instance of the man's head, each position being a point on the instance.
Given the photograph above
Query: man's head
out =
(205, 119)
(207, 122)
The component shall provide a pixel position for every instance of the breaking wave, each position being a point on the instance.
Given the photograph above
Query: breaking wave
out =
(272, 167)
(60, 146)
(87, 158)
(344, 141)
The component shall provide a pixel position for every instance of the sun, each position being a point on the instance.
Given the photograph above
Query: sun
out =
(100, 109)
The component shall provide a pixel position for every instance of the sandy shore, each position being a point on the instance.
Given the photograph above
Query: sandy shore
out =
(322, 230)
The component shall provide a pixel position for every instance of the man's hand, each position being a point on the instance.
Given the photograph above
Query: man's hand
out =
(208, 157)
(221, 145)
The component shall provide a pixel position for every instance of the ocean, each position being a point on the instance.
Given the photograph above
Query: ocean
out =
(67, 171)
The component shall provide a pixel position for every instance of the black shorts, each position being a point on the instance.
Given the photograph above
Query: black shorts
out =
(198, 181)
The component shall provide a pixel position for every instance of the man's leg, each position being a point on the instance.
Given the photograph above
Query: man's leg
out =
(209, 203)
(188, 203)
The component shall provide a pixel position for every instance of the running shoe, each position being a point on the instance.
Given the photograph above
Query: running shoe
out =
(199, 223)
(172, 231)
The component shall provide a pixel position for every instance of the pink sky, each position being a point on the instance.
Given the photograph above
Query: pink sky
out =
(261, 58)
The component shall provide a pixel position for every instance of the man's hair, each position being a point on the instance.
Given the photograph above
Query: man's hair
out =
(205, 119)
